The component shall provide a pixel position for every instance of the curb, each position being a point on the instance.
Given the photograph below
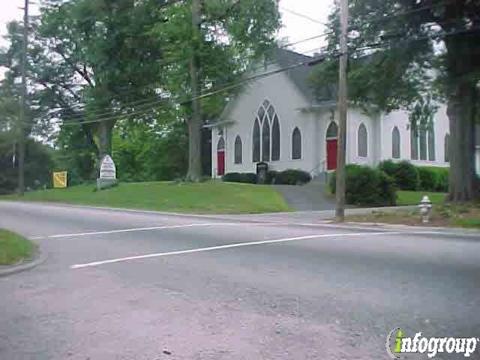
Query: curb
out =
(38, 259)
(437, 229)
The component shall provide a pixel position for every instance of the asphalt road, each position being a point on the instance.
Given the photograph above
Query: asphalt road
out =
(138, 285)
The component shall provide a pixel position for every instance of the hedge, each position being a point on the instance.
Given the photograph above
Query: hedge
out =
(288, 177)
(433, 178)
(404, 173)
(367, 186)
(410, 177)
(247, 178)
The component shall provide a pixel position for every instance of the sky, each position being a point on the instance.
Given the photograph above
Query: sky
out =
(295, 27)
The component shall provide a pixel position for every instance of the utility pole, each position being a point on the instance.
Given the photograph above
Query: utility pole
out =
(342, 111)
(23, 106)
(195, 123)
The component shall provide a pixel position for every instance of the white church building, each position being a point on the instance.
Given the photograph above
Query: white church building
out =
(279, 120)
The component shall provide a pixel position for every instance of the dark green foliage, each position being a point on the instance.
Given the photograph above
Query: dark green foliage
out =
(433, 179)
(38, 165)
(143, 154)
(442, 179)
(428, 179)
(366, 186)
(410, 177)
(405, 174)
(247, 178)
(292, 177)
(395, 64)
(271, 176)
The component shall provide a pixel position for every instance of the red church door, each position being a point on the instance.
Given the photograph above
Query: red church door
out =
(221, 162)
(221, 157)
(331, 154)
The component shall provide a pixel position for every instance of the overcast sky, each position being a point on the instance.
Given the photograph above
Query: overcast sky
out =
(295, 27)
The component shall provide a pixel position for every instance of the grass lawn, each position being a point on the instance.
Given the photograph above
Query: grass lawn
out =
(14, 248)
(204, 198)
(414, 197)
(442, 215)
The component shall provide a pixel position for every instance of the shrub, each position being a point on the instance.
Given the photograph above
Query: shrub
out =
(428, 179)
(433, 178)
(271, 177)
(388, 167)
(247, 178)
(404, 173)
(367, 186)
(406, 176)
(292, 177)
(442, 179)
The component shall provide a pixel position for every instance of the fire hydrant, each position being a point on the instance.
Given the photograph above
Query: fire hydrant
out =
(425, 207)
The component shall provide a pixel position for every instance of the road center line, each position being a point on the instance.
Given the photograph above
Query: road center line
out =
(165, 227)
(228, 246)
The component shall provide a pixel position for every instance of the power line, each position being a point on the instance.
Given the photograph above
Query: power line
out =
(155, 104)
(420, 38)
(311, 61)
(150, 101)
(403, 13)
(303, 16)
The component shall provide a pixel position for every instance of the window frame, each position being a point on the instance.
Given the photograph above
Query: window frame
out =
(238, 151)
(297, 155)
(362, 146)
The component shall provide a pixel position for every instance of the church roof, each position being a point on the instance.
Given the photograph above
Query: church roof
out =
(300, 76)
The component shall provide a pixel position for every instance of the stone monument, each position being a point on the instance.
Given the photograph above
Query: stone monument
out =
(108, 173)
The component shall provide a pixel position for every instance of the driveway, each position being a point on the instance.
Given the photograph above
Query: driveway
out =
(140, 285)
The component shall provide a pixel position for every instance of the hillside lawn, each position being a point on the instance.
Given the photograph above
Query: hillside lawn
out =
(201, 198)
(14, 248)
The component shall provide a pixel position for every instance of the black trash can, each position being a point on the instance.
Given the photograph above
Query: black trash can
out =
(262, 170)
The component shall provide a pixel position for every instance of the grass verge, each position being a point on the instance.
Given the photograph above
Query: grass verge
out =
(204, 198)
(446, 215)
(14, 248)
(414, 197)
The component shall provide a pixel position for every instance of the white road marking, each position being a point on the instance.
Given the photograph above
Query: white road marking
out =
(130, 230)
(228, 246)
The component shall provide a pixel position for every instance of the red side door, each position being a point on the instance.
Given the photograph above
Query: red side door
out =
(331, 154)
(220, 162)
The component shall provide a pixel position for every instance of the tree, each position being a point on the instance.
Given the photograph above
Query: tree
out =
(221, 42)
(38, 161)
(406, 51)
(99, 63)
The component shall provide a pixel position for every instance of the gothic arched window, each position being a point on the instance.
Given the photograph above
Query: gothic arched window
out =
(256, 141)
(238, 150)
(395, 143)
(266, 134)
(296, 144)
(362, 141)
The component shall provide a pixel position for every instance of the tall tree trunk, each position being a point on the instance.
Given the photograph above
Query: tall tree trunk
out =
(195, 122)
(461, 114)
(462, 96)
(103, 138)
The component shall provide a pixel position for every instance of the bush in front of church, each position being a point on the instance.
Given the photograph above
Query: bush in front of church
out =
(289, 177)
(366, 186)
(433, 178)
(246, 178)
(404, 173)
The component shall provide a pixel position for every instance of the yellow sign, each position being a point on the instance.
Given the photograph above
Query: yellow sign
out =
(60, 180)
